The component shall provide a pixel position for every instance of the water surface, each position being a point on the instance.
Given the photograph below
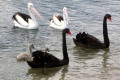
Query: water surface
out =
(85, 64)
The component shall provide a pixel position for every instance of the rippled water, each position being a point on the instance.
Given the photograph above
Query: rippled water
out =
(85, 64)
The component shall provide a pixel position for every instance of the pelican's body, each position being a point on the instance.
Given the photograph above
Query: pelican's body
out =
(25, 21)
(60, 22)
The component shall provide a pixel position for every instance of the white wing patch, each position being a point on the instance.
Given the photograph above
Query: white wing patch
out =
(56, 21)
(22, 21)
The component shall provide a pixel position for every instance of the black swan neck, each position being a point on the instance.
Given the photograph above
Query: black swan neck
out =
(65, 54)
(105, 33)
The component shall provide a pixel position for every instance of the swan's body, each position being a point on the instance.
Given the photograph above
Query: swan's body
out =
(60, 22)
(88, 41)
(27, 56)
(44, 59)
(25, 21)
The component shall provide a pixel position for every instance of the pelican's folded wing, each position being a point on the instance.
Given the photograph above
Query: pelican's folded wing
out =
(57, 20)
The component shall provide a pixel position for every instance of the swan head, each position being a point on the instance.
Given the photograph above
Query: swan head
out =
(31, 46)
(66, 30)
(46, 50)
(34, 11)
(108, 16)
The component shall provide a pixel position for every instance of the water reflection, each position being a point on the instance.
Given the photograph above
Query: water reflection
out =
(88, 56)
(105, 71)
(26, 35)
(85, 53)
(50, 72)
(105, 58)
(20, 30)
(64, 71)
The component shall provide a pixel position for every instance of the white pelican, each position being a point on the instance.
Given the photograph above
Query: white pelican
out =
(60, 22)
(25, 21)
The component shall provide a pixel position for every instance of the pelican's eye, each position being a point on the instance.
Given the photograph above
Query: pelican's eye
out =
(31, 6)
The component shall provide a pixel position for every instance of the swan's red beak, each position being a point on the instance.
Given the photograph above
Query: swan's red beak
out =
(110, 19)
(69, 32)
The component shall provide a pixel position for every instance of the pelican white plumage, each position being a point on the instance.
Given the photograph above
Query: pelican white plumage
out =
(25, 21)
(60, 22)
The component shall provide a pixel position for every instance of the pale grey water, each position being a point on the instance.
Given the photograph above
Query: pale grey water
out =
(85, 64)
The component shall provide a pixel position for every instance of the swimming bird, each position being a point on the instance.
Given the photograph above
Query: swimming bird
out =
(27, 56)
(88, 41)
(25, 21)
(60, 22)
(46, 60)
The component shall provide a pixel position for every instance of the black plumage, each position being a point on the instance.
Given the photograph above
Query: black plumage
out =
(88, 41)
(24, 16)
(47, 60)
(60, 18)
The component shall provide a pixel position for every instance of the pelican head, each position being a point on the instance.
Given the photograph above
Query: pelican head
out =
(64, 9)
(30, 5)
(34, 11)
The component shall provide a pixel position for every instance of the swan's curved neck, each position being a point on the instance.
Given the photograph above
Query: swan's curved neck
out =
(30, 50)
(105, 33)
(32, 16)
(65, 54)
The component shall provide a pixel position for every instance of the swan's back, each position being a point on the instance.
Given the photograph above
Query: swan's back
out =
(87, 41)
(43, 59)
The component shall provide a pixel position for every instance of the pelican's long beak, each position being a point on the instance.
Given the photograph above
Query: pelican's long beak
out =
(33, 10)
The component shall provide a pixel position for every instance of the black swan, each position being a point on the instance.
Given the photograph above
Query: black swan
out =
(88, 41)
(46, 60)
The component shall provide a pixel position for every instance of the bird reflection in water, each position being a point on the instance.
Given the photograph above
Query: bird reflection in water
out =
(50, 73)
